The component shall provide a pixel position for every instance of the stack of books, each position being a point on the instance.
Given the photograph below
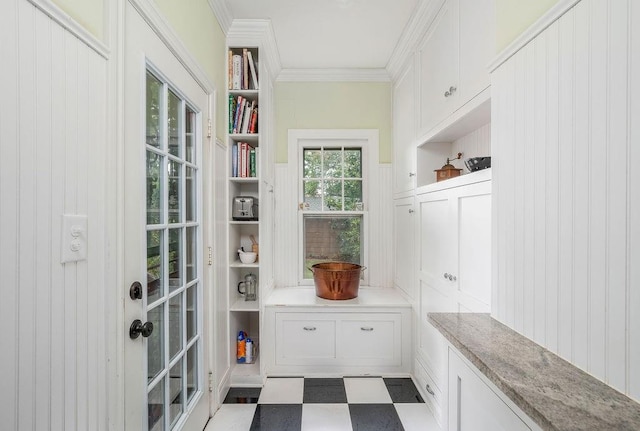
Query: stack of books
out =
(244, 160)
(243, 115)
(243, 70)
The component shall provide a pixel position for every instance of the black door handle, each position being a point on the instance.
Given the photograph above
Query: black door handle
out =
(135, 291)
(138, 328)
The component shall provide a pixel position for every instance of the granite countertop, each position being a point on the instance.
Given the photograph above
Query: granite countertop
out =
(554, 393)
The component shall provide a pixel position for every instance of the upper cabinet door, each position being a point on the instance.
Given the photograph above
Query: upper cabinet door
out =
(476, 20)
(404, 129)
(438, 63)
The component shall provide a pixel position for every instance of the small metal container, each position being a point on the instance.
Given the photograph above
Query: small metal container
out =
(336, 280)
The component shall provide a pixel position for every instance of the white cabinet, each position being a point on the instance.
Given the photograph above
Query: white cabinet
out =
(475, 406)
(453, 259)
(404, 129)
(403, 245)
(338, 339)
(370, 334)
(452, 59)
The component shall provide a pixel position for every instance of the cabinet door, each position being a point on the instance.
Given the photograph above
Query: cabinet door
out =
(436, 238)
(438, 67)
(404, 129)
(472, 209)
(374, 339)
(476, 47)
(303, 339)
(473, 406)
(403, 241)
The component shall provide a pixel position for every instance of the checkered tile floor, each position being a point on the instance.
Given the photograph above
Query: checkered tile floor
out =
(341, 404)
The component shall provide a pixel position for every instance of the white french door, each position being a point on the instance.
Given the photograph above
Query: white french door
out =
(166, 349)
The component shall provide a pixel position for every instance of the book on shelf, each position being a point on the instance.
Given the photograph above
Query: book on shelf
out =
(247, 117)
(234, 161)
(252, 68)
(252, 162)
(237, 72)
(237, 124)
(253, 126)
(232, 110)
(230, 70)
(245, 69)
(244, 160)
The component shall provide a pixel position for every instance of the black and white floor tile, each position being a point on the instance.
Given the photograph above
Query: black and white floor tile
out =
(325, 404)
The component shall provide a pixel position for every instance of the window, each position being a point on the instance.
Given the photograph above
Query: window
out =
(333, 216)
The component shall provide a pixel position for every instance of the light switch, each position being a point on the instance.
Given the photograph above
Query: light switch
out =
(74, 238)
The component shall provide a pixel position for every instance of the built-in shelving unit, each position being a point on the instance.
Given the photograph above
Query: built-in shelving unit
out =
(244, 162)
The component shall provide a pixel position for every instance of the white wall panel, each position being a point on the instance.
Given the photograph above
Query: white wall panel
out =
(53, 146)
(566, 208)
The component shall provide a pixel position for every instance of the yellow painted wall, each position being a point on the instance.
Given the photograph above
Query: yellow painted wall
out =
(200, 32)
(88, 13)
(333, 105)
(515, 16)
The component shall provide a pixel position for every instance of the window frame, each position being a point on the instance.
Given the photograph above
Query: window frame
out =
(364, 139)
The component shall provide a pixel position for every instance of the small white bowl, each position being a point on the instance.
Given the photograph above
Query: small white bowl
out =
(247, 256)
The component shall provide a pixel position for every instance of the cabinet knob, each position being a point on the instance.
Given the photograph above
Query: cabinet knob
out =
(366, 328)
(446, 275)
(309, 328)
(428, 388)
(411, 211)
(450, 91)
(454, 278)
(412, 174)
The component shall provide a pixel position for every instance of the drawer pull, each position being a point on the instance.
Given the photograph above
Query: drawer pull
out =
(309, 328)
(428, 388)
(367, 329)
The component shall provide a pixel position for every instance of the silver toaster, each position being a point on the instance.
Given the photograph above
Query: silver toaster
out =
(244, 208)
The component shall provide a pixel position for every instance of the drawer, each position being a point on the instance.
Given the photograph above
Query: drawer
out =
(370, 339)
(301, 339)
(430, 391)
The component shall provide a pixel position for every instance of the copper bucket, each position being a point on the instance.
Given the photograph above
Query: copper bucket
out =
(336, 280)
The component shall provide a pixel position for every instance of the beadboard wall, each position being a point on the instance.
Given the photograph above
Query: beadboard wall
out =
(53, 144)
(566, 178)
(475, 144)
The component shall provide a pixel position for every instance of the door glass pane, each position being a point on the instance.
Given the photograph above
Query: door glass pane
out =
(175, 325)
(174, 119)
(192, 241)
(155, 342)
(192, 371)
(155, 265)
(156, 407)
(154, 116)
(172, 200)
(175, 259)
(175, 393)
(175, 182)
(190, 195)
(192, 315)
(190, 138)
(154, 188)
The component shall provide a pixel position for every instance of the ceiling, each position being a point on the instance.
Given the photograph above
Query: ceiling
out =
(330, 34)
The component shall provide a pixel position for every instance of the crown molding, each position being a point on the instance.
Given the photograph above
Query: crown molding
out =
(222, 13)
(259, 33)
(420, 21)
(333, 75)
(552, 15)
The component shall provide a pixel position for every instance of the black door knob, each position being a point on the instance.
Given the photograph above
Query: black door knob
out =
(135, 291)
(138, 328)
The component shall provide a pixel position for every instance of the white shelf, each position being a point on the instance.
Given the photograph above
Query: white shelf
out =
(240, 222)
(247, 374)
(251, 138)
(242, 305)
(244, 179)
